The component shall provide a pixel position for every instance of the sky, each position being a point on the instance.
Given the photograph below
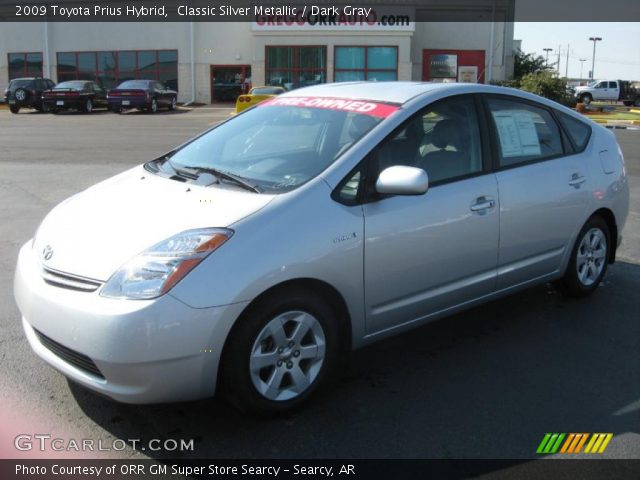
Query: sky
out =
(617, 55)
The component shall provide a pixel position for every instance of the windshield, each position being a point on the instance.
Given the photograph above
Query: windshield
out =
(134, 84)
(278, 146)
(266, 91)
(75, 85)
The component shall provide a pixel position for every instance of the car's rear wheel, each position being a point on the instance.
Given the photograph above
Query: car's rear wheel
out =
(589, 259)
(279, 352)
(14, 108)
(88, 106)
(44, 108)
(627, 103)
(174, 103)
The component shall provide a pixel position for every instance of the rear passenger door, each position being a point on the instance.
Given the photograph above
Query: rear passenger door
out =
(543, 189)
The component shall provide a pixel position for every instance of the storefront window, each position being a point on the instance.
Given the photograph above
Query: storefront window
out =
(294, 67)
(25, 65)
(112, 68)
(366, 63)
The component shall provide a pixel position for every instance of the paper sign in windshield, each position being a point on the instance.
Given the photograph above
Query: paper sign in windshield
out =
(517, 133)
(342, 104)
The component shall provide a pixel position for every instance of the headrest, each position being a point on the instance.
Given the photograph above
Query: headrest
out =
(447, 132)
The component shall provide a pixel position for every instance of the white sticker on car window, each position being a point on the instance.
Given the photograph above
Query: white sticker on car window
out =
(517, 133)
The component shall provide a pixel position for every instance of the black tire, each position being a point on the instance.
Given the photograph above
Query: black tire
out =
(236, 382)
(14, 108)
(571, 284)
(153, 107)
(637, 102)
(88, 106)
(586, 98)
(173, 104)
(44, 108)
(627, 103)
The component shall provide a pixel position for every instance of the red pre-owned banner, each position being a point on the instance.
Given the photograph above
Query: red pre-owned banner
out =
(343, 104)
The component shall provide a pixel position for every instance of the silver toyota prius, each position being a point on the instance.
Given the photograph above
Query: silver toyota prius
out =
(247, 259)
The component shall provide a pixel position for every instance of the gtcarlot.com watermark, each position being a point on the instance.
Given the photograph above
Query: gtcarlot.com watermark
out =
(46, 442)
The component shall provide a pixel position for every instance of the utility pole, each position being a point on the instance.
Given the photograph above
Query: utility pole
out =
(559, 47)
(582, 60)
(593, 58)
(547, 60)
(566, 68)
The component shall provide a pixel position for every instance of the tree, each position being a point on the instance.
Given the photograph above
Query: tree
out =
(546, 84)
(525, 63)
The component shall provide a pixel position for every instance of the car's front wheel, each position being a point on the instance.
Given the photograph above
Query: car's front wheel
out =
(174, 103)
(279, 352)
(154, 106)
(586, 98)
(589, 259)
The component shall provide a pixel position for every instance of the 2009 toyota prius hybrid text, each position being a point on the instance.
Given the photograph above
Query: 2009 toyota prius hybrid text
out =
(323, 219)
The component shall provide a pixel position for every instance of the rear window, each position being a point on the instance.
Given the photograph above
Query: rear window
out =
(577, 130)
(267, 91)
(134, 84)
(74, 85)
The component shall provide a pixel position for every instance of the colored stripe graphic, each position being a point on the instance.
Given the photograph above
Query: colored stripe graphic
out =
(598, 442)
(550, 443)
(574, 443)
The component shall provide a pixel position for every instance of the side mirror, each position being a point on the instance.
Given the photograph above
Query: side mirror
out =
(402, 180)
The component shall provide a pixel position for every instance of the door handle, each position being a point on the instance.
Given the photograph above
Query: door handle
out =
(483, 203)
(577, 180)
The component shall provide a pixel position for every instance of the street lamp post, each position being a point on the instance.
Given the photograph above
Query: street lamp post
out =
(546, 62)
(593, 58)
(582, 60)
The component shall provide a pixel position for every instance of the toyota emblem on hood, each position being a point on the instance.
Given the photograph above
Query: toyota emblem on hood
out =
(47, 252)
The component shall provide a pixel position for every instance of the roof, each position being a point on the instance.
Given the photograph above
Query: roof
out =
(394, 92)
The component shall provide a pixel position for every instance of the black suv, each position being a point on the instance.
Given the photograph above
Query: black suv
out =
(27, 92)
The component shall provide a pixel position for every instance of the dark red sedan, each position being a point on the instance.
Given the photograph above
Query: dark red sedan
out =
(82, 95)
(145, 95)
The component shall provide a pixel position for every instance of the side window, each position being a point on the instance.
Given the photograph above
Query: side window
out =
(443, 139)
(525, 132)
(613, 85)
(97, 88)
(158, 86)
(577, 130)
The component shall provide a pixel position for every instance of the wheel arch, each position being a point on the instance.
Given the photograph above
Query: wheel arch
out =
(608, 216)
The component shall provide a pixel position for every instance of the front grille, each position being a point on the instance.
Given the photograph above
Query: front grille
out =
(71, 282)
(76, 359)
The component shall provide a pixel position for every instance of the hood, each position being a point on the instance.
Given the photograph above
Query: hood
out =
(95, 232)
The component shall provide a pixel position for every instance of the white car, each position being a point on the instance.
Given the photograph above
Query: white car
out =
(317, 221)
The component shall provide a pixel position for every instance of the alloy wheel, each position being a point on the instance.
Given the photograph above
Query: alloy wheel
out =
(591, 256)
(287, 355)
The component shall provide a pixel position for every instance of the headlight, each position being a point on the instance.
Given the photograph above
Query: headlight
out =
(156, 270)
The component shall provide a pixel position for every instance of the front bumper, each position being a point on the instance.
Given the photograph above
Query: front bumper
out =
(148, 351)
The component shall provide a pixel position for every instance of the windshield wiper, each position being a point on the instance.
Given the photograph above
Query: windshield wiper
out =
(232, 177)
(192, 173)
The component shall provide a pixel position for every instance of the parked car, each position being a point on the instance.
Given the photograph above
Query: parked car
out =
(257, 95)
(610, 90)
(147, 95)
(321, 220)
(26, 93)
(82, 95)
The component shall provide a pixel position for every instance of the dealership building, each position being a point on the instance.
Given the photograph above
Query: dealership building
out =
(210, 62)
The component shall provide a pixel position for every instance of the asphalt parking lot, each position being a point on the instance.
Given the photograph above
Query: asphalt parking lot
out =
(487, 383)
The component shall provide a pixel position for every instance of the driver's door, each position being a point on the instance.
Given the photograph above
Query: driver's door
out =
(427, 253)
